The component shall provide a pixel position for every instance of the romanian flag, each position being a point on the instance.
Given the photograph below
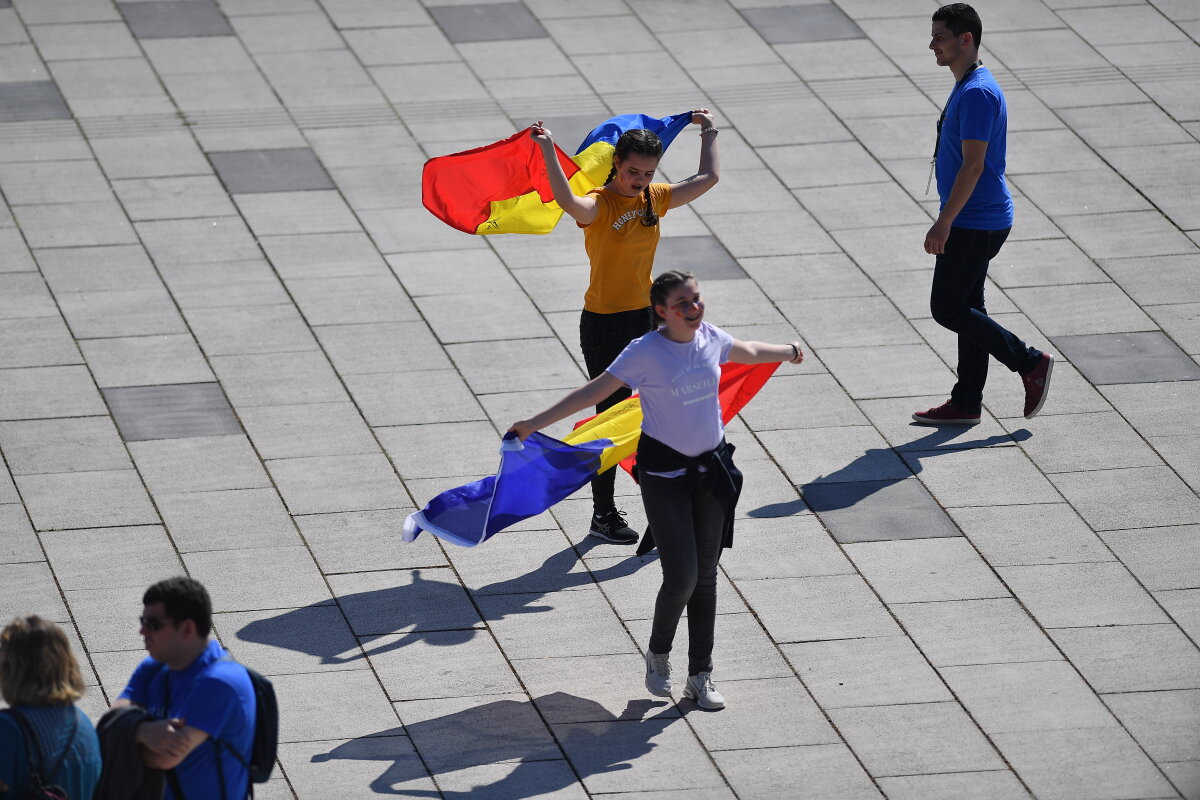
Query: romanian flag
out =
(503, 187)
(534, 476)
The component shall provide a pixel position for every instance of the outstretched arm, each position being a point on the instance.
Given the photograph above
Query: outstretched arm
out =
(581, 209)
(585, 396)
(709, 171)
(760, 353)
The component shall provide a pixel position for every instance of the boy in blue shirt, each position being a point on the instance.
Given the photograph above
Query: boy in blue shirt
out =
(975, 219)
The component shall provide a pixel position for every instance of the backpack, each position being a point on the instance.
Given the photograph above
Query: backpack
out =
(40, 788)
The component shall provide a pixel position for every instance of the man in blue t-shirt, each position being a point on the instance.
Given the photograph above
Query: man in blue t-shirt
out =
(976, 216)
(205, 700)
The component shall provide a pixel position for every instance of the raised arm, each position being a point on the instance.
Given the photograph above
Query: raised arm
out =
(585, 396)
(761, 353)
(581, 209)
(709, 171)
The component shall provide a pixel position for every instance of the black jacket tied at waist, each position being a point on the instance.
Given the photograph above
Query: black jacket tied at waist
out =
(716, 467)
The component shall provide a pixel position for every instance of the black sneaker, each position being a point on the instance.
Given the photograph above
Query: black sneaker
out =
(610, 526)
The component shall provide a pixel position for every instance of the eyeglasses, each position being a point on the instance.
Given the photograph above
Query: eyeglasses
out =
(154, 624)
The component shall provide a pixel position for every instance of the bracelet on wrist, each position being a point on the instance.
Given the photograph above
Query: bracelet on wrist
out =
(709, 129)
(795, 351)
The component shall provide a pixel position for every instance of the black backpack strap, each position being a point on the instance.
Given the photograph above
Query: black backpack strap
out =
(33, 748)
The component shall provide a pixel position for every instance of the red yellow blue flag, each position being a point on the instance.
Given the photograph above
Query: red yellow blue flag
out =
(503, 187)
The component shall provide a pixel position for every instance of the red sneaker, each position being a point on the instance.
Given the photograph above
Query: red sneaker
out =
(1037, 385)
(945, 414)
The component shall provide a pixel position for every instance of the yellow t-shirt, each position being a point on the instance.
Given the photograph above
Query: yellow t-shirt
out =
(621, 249)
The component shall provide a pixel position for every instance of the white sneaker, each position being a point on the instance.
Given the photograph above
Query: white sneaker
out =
(700, 688)
(658, 674)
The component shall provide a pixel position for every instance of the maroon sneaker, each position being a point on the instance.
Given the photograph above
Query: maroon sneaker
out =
(945, 414)
(1037, 385)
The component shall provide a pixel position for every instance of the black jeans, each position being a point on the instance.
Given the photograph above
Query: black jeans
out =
(957, 303)
(602, 337)
(687, 521)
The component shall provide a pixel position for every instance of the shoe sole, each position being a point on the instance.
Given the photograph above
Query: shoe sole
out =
(1045, 390)
(606, 538)
(934, 422)
(652, 691)
(691, 695)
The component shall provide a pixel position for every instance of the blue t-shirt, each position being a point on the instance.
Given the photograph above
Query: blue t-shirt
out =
(213, 695)
(977, 111)
(80, 770)
(678, 384)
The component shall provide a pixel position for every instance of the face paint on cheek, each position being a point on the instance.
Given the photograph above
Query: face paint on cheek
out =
(679, 313)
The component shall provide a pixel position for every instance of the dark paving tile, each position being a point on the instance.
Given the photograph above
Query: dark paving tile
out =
(291, 169)
(875, 511)
(1145, 357)
(31, 100)
(815, 23)
(703, 256)
(176, 411)
(487, 22)
(163, 19)
(5, 3)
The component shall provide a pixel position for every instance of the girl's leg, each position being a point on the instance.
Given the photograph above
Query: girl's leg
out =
(708, 516)
(669, 510)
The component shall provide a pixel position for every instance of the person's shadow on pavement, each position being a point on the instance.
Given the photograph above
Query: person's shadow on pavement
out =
(511, 731)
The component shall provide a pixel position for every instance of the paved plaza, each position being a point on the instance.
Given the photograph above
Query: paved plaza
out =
(234, 345)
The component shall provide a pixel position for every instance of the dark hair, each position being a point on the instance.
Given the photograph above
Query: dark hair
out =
(960, 18)
(643, 143)
(183, 598)
(663, 286)
(37, 667)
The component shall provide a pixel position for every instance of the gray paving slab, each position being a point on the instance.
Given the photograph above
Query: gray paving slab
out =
(319, 484)
(994, 785)
(236, 283)
(201, 464)
(905, 571)
(226, 520)
(172, 411)
(1135, 497)
(816, 608)
(1040, 533)
(86, 499)
(278, 379)
(146, 360)
(280, 577)
(960, 632)
(78, 444)
(1032, 696)
(867, 511)
(111, 558)
(1160, 722)
(877, 671)
(31, 100)
(19, 545)
(826, 771)
(1131, 658)
(30, 587)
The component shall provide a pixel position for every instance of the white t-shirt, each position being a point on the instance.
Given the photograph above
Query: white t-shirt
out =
(678, 384)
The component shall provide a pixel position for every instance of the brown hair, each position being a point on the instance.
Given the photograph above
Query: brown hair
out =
(37, 667)
(663, 286)
(644, 143)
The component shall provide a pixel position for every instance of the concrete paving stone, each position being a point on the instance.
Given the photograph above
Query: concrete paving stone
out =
(853, 322)
(1186, 777)
(29, 183)
(31, 100)
(74, 224)
(498, 366)
(106, 315)
(146, 360)
(1132, 658)
(1044, 262)
(214, 92)
(78, 444)
(1134, 124)
(160, 155)
(952, 476)
(410, 44)
(483, 22)
(276, 577)
(1161, 558)
(30, 589)
(351, 300)
(1077, 442)
(385, 347)
(548, 624)
(631, 583)
(828, 275)
(789, 547)
(18, 544)
(554, 289)
(158, 19)
(920, 738)
(770, 233)
(803, 120)
(198, 241)
(925, 570)
(817, 608)
(751, 719)
(111, 558)
(48, 392)
(993, 785)
(543, 780)
(409, 230)
(1101, 26)
(1157, 409)
(355, 146)
(893, 418)
(1126, 235)
(455, 663)
(1094, 191)
(1181, 322)
(31, 144)
(245, 330)
(868, 511)
(8, 490)
(279, 213)
(319, 767)
(776, 406)
(891, 371)
(827, 772)
(835, 206)
(386, 186)
(317, 429)
(319, 484)
(173, 198)
(1183, 454)
(607, 681)
(1080, 309)
(304, 703)
(97, 269)
(173, 411)
(834, 455)
(303, 640)
(1040, 695)
(1091, 763)
(204, 464)
(84, 40)
(1039, 533)
(323, 255)
(86, 499)
(1141, 497)
(226, 520)
(866, 672)
(447, 271)
(283, 170)
(961, 632)
(110, 87)
(278, 379)
(1161, 722)
(442, 450)
(816, 60)
(17, 257)
(385, 603)
(518, 564)
(413, 398)
(755, 189)
(355, 541)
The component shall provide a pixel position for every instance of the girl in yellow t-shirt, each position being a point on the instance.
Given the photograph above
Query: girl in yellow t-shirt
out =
(620, 235)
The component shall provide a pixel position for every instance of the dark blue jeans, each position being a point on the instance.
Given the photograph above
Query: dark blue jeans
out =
(957, 303)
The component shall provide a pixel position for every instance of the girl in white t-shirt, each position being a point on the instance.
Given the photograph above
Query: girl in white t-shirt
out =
(687, 476)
